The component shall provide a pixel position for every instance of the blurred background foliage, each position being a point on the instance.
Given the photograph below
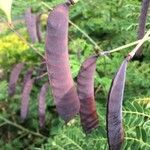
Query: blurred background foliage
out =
(110, 24)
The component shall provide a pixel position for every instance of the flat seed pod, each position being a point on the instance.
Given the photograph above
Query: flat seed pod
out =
(142, 22)
(30, 20)
(57, 61)
(25, 98)
(143, 18)
(42, 105)
(27, 76)
(85, 88)
(13, 78)
(115, 131)
(38, 28)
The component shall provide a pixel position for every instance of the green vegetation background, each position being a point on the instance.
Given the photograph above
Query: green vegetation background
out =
(110, 24)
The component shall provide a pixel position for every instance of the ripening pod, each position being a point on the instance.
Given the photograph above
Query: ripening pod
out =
(25, 98)
(30, 20)
(13, 78)
(57, 62)
(142, 24)
(85, 88)
(33, 25)
(27, 76)
(42, 104)
(38, 27)
(115, 131)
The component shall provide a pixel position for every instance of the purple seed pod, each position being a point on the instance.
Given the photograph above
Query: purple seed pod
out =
(143, 18)
(85, 89)
(142, 22)
(42, 105)
(115, 131)
(57, 62)
(38, 28)
(25, 98)
(27, 76)
(30, 20)
(13, 78)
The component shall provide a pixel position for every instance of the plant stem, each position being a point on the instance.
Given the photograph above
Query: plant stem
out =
(29, 44)
(124, 46)
(21, 127)
(86, 35)
(133, 52)
(41, 76)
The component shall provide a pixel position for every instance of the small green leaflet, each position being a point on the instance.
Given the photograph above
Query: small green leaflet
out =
(5, 5)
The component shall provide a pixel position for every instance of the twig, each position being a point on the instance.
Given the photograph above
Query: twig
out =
(133, 52)
(125, 46)
(98, 88)
(22, 135)
(21, 37)
(86, 35)
(41, 76)
(21, 127)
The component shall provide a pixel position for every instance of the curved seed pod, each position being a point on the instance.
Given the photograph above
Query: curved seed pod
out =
(38, 28)
(85, 88)
(42, 105)
(25, 98)
(13, 78)
(57, 61)
(30, 20)
(114, 109)
(142, 22)
(27, 76)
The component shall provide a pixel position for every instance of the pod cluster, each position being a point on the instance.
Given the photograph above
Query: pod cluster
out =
(69, 99)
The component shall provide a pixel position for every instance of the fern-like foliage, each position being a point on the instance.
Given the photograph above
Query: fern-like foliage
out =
(3, 90)
(136, 121)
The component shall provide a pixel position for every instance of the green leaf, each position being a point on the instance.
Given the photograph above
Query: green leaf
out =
(129, 144)
(138, 132)
(144, 135)
(130, 107)
(124, 145)
(138, 107)
(5, 5)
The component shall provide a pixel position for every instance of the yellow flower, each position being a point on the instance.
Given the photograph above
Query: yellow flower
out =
(12, 43)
